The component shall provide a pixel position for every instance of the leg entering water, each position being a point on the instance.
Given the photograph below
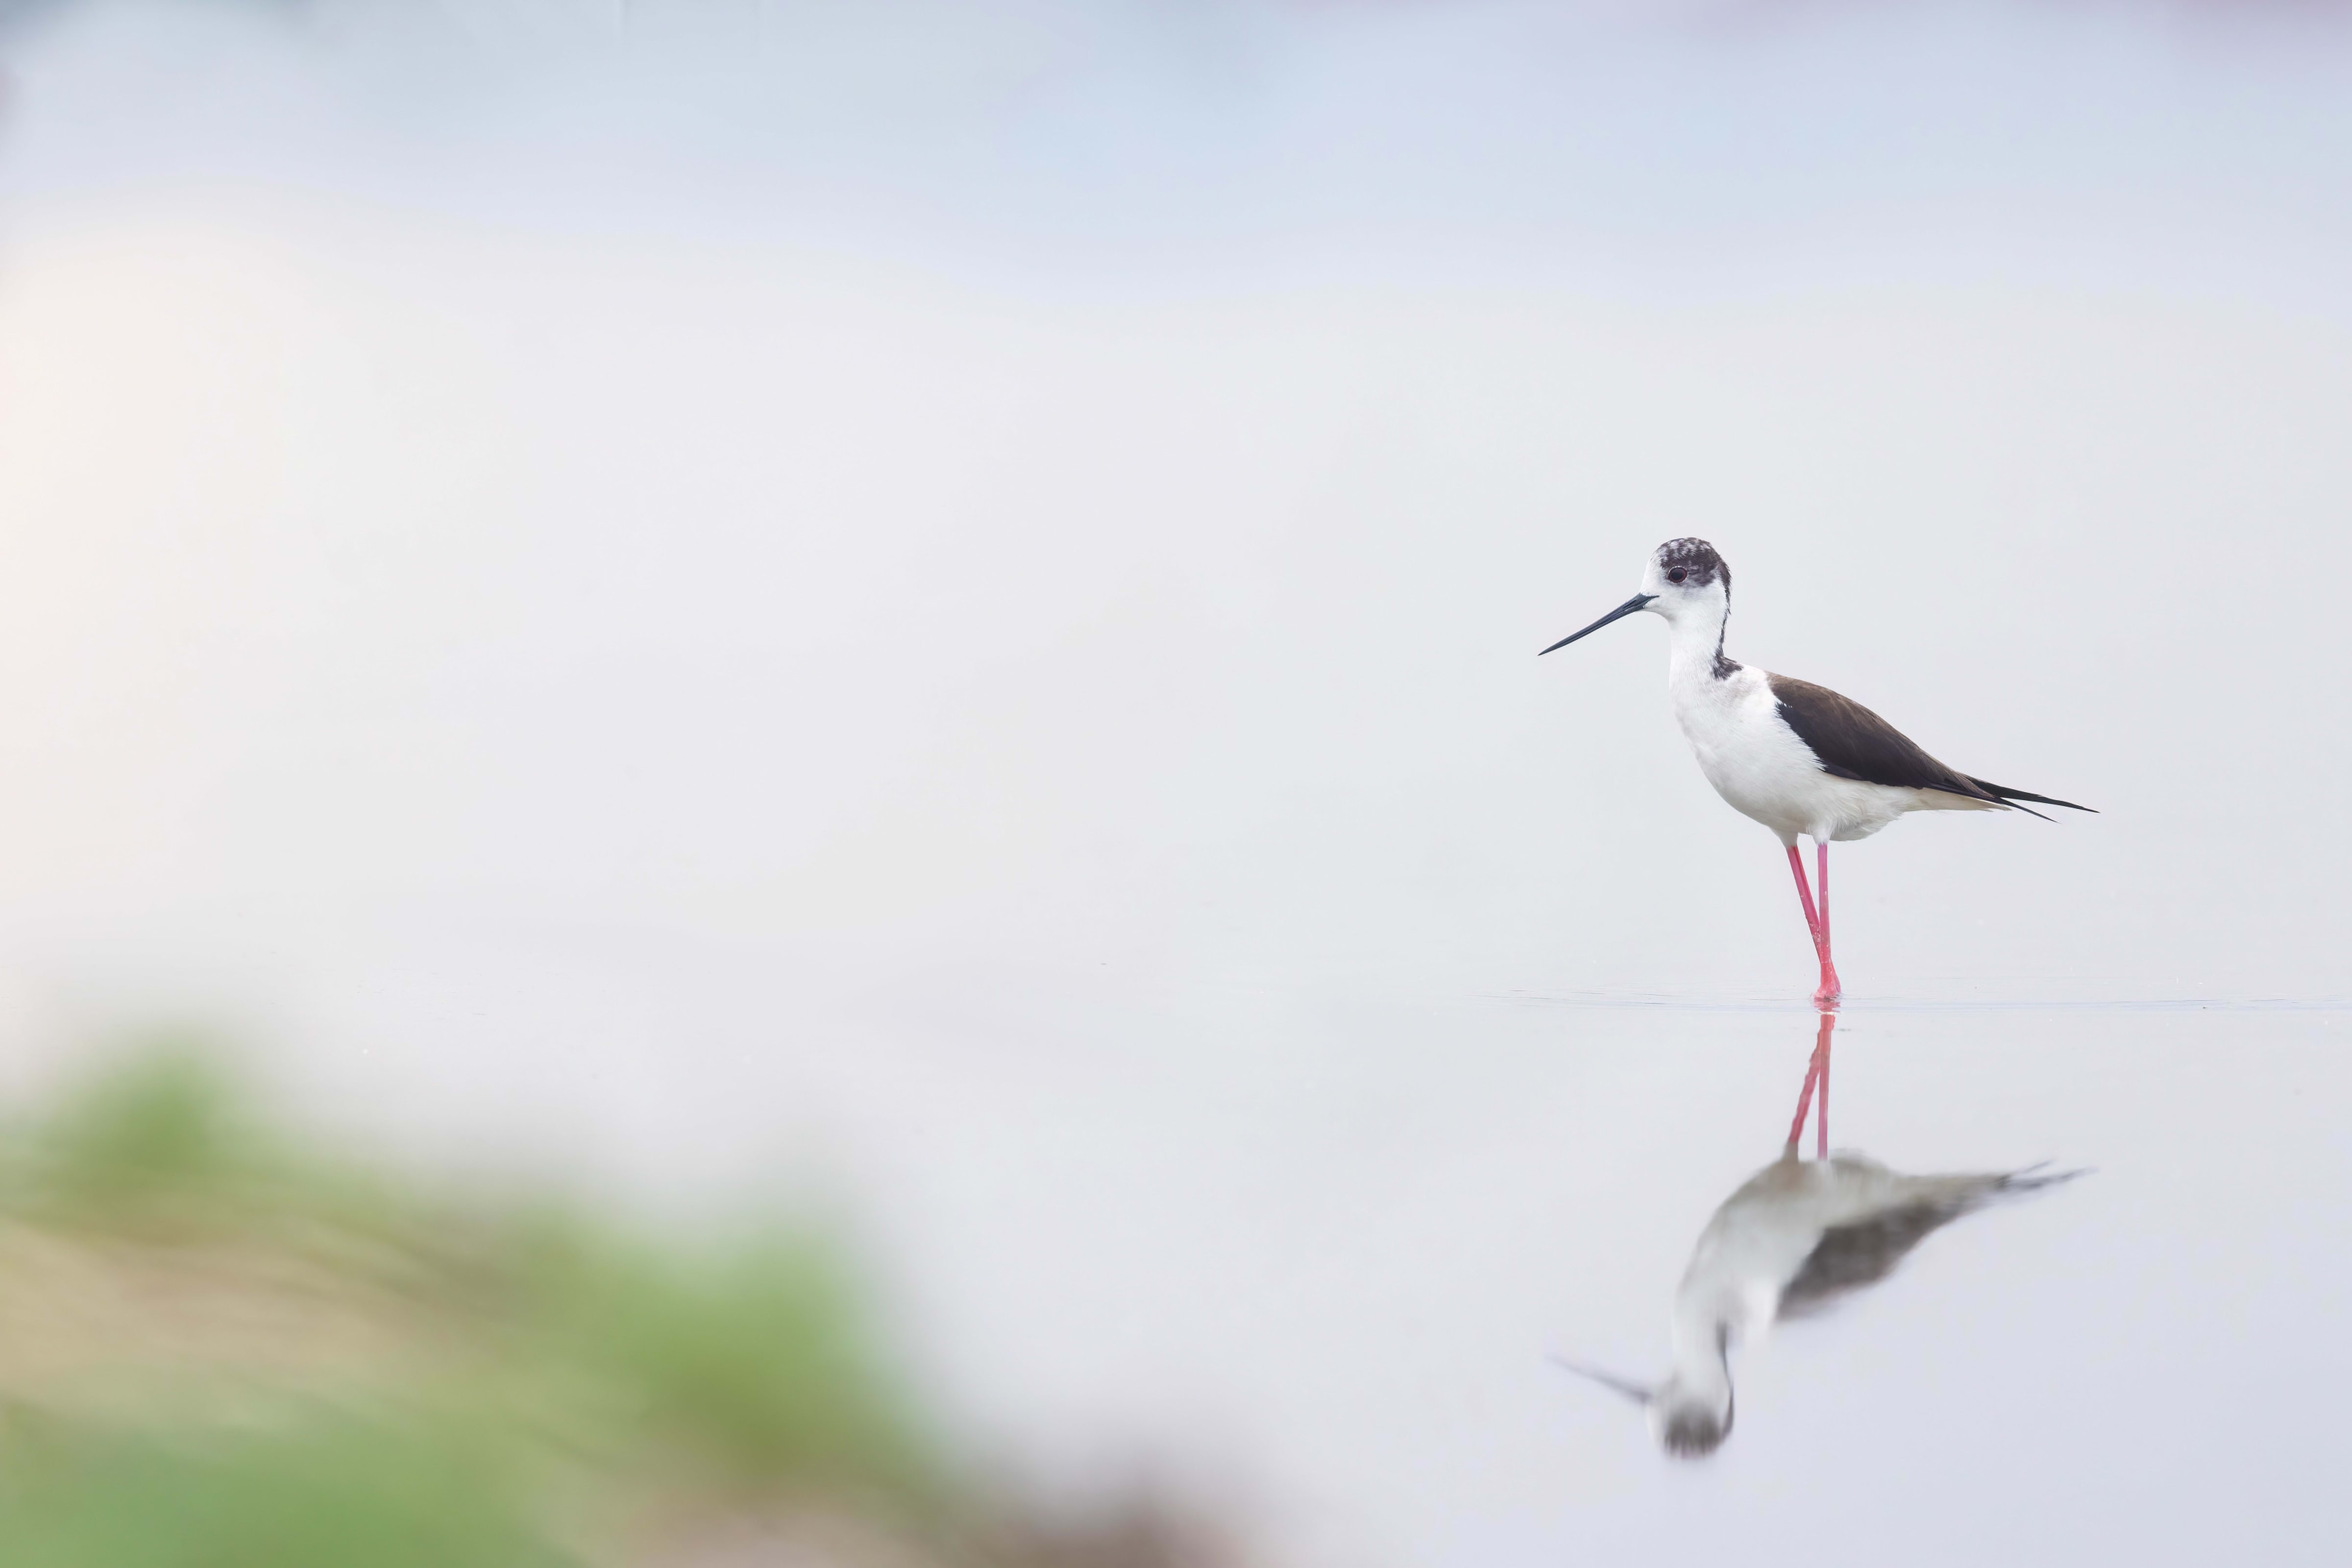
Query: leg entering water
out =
(1817, 1072)
(1830, 989)
(1818, 924)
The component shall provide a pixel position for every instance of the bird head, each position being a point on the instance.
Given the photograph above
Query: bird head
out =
(1690, 1413)
(1691, 1423)
(1684, 580)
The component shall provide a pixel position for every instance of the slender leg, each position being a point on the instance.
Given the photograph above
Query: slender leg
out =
(1821, 887)
(1821, 1116)
(1805, 895)
(1817, 1072)
(1830, 990)
(1818, 924)
(1804, 1100)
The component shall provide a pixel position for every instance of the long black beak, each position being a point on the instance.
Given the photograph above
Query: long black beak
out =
(1631, 605)
(1639, 1393)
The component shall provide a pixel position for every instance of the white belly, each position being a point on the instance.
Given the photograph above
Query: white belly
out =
(1760, 767)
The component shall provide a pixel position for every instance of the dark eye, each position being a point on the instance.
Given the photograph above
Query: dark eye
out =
(1678, 574)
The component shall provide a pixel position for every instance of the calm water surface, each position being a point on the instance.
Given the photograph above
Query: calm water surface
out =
(1318, 1250)
(1355, 1270)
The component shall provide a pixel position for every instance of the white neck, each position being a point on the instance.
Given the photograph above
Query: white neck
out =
(1695, 637)
(1700, 1366)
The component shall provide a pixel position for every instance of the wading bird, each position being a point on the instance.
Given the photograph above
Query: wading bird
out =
(1797, 758)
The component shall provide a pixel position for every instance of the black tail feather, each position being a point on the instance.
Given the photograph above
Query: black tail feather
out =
(2035, 1176)
(2001, 792)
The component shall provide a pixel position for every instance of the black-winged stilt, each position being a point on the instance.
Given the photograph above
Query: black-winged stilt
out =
(1797, 758)
(1797, 1237)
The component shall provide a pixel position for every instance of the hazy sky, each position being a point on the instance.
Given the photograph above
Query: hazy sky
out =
(1090, 480)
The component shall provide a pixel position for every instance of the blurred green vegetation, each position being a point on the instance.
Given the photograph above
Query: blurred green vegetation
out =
(220, 1348)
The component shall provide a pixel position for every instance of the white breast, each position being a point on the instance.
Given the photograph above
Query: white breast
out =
(1762, 1234)
(1760, 767)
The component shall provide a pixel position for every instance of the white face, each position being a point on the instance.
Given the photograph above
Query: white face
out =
(1686, 579)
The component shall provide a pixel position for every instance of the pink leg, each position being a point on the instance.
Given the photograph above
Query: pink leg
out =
(1804, 1100)
(1818, 924)
(1817, 1072)
(1821, 887)
(1830, 989)
(1822, 1117)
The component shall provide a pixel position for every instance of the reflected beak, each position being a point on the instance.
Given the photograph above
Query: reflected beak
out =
(1639, 1393)
(1638, 601)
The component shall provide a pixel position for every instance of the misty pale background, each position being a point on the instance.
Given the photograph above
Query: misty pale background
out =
(936, 604)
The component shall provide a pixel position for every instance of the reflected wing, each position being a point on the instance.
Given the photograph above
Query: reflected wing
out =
(1849, 1256)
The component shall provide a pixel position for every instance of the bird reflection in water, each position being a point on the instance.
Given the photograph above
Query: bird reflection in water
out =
(1797, 1237)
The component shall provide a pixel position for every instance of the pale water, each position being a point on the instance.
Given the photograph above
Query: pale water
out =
(1310, 1252)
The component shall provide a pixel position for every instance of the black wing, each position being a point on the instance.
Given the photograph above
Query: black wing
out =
(1852, 742)
(1849, 1256)
(2013, 796)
